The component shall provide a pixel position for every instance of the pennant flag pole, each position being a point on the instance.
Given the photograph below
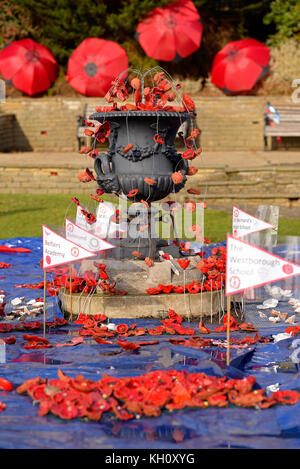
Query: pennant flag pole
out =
(228, 330)
(71, 312)
(58, 250)
(44, 303)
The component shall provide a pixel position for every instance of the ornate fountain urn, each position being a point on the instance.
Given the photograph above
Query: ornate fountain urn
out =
(150, 137)
(121, 172)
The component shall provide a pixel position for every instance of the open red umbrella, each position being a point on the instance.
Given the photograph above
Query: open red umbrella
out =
(239, 65)
(94, 64)
(172, 32)
(29, 66)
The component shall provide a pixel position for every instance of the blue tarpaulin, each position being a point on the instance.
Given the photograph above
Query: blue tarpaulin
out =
(232, 427)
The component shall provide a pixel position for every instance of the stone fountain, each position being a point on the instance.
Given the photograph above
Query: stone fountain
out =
(142, 145)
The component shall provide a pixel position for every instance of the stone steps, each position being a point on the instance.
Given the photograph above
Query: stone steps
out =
(274, 184)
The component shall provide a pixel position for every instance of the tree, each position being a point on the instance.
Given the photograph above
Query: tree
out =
(285, 15)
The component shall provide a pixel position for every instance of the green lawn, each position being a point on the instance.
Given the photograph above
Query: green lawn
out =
(23, 215)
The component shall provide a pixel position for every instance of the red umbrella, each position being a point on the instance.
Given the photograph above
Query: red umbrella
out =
(172, 32)
(29, 66)
(94, 64)
(239, 65)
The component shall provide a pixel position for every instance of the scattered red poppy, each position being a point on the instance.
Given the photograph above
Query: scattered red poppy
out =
(128, 345)
(137, 254)
(122, 328)
(203, 329)
(5, 385)
(149, 261)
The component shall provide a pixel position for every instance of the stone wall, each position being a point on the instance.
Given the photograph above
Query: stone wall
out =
(7, 127)
(49, 124)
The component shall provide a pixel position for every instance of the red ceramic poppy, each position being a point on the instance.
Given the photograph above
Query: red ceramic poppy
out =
(150, 181)
(122, 328)
(5, 385)
(128, 345)
(177, 177)
(132, 193)
(193, 134)
(184, 263)
(127, 148)
(102, 132)
(149, 261)
(194, 191)
(203, 329)
(191, 171)
(188, 154)
(158, 139)
(188, 103)
(153, 291)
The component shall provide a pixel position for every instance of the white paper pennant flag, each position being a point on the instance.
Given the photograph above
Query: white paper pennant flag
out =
(58, 250)
(85, 239)
(251, 266)
(243, 223)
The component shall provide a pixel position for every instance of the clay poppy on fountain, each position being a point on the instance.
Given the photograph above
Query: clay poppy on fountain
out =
(177, 177)
(102, 132)
(188, 103)
(193, 134)
(84, 150)
(184, 263)
(127, 148)
(132, 193)
(191, 171)
(158, 139)
(188, 154)
(150, 181)
(194, 191)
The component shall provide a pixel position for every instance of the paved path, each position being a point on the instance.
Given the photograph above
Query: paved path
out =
(216, 159)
